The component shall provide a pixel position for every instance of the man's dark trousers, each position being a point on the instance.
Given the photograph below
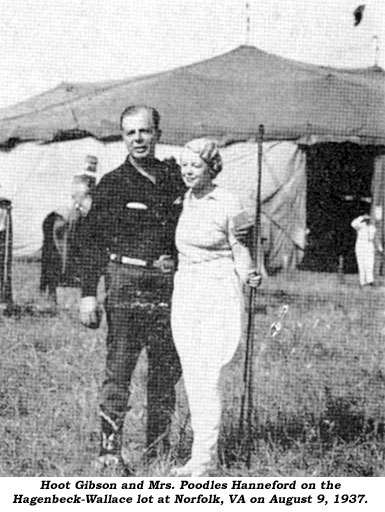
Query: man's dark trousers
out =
(138, 315)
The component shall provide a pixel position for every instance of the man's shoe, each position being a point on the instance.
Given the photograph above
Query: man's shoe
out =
(108, 460)
(111, 435)
(110, 455)
(159, 448)
(110, 463)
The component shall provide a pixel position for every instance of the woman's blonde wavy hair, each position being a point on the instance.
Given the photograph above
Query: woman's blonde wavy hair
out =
(208, 150)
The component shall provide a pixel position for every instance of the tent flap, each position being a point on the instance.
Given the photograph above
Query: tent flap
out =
(37, 179)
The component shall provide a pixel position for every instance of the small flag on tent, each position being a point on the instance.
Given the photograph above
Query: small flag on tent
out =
(358, 14)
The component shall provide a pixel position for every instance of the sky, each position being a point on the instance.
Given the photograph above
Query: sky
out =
(46, 42)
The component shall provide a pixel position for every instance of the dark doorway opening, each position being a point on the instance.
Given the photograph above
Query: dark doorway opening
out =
(339, 179)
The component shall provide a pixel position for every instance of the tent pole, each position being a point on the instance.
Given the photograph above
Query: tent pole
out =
(376, 50)
(247, 399)
(247, 13)
(5, 291)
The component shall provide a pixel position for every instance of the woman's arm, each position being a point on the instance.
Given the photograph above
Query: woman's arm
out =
(241, 254)
(243, 261)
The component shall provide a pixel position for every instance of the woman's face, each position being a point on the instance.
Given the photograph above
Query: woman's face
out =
(195, 171)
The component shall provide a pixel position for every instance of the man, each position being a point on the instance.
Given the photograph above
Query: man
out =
(62, 232)
(129, 237)
(90, 167)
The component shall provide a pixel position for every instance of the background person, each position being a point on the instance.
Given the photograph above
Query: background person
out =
(83, 187)
(6, 296)
(207, 303)
(62, 233)
(90, 167)
(365, 248)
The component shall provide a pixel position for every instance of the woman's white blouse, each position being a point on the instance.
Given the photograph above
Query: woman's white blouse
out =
(204, 233)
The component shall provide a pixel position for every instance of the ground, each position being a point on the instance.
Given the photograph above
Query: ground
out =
(319, 386)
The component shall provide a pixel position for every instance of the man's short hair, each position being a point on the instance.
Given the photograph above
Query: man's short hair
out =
(134, 109)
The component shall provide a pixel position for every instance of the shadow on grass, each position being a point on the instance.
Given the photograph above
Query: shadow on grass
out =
(30, 310)
(346, 441)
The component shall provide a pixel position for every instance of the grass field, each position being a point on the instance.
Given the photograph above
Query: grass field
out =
(319, 386)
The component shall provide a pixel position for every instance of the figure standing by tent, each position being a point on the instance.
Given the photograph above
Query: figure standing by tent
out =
(365, 248)
(6, 298)
(129, 237)
(61, 233)
(207, 304)
(82, 193)
(83, 186)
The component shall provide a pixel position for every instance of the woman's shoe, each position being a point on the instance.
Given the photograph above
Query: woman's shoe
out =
(190, 469)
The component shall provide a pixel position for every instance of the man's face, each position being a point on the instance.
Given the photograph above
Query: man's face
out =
(79, 190)
(140, 135)
(81, 197)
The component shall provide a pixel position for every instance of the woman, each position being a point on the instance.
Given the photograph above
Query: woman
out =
(207, 304)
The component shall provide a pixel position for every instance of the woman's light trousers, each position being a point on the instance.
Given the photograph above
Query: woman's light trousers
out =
(206, 321)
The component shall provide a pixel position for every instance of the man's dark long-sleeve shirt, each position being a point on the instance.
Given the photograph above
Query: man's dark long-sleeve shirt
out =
(130, 216)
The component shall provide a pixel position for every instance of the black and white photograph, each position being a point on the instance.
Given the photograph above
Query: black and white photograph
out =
(192, 240)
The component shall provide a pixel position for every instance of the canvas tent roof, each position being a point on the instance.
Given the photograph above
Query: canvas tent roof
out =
(227, 97)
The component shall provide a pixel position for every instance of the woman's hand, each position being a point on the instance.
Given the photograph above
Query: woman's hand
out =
(254, 279)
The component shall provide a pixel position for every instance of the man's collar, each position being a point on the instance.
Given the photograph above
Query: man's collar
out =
(156, 165)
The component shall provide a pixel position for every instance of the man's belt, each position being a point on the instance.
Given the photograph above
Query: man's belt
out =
(126, 260)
